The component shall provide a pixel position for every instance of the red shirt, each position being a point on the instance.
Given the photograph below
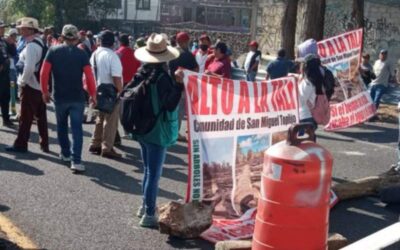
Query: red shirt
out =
(221, 67)
(130, 64)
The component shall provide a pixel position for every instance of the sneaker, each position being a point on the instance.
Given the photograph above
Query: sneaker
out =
(77, 168)
(8, 124)
(140, 212)
(65, 159)
(111, 154)
(149, 221)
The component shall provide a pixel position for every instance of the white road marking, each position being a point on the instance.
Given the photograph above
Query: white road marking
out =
(352, 153)
(330, 134)
(364, 212)
(378, 240)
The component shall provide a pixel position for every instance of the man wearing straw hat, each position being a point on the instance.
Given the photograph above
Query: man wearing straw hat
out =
(32, 104)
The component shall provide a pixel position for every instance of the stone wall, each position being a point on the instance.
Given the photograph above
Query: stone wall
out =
(382, 21)
(237, 42)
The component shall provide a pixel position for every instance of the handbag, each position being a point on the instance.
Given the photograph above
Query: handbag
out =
(106, 94)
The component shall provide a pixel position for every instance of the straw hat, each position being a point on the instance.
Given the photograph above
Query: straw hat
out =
(28, 22)
(156, 50)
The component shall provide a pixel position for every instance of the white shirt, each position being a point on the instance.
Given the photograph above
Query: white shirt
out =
(306, 95)
(30, 57)
(248, 60)
(383, 71)
(201, 60)
(108, 65)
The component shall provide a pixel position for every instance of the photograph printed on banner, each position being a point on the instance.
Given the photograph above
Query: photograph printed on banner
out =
(250, 151)
(341, 71)
(217, 158)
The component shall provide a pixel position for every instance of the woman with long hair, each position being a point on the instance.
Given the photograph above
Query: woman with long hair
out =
(310, 86)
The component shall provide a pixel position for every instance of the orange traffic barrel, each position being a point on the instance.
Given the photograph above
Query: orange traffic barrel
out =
(293, 208)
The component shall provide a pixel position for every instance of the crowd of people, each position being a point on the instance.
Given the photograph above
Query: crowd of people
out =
(77, 69)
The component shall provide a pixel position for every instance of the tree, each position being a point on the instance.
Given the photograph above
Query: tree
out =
(358, 13)
(314, 19)
(289, 22)
(57, 12)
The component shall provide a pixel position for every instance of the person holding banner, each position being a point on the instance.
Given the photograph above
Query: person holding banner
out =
(165, 95)
(310, 86)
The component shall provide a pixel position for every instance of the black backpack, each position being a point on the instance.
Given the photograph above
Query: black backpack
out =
(137, 115)
(329, 83)
(40, 63)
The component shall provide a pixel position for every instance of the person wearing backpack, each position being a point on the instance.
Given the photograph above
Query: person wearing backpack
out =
(162, 129)
(31, 105)
(314, 104)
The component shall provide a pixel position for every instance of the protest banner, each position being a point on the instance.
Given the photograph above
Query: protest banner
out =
(230, 125)
(351, 102)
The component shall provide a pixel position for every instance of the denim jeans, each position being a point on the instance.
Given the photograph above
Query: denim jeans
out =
(153, 159)
(308, 120)
(75, 112)
(251, 76)
(377, 92)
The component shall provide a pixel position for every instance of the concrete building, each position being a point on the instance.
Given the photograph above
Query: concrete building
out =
(136, 16)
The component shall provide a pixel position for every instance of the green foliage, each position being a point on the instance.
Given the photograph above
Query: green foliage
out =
(56, 12)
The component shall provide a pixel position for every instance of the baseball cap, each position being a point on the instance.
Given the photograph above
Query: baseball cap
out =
(107, 38)
(2, 24)
(70, 31)
(383, 51)
(204, 37)
(12, 32)
(182, 37)
(253, 44)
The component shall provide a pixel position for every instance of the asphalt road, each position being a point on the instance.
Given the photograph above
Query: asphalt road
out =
(59, 210)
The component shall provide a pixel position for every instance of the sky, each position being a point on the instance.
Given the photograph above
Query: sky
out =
(218, 150)
(256, 143)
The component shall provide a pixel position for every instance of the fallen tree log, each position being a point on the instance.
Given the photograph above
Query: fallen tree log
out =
(366, 186)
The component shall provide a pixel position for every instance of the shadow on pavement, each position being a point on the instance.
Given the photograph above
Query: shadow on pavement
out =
(7, 245)
(373, 133)
(116, 180)
(189, 244)
(7, 164)
(4, 208)
(358, 218)
(331, 138)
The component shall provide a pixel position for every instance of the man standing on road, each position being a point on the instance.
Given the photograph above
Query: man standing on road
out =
(383, 71)
(4, 78)
(67, 64)
(203, 55)
(108, 71)
(32, 104)
(185, 60)
(252, 61)
(280, 67)
(130, 64)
